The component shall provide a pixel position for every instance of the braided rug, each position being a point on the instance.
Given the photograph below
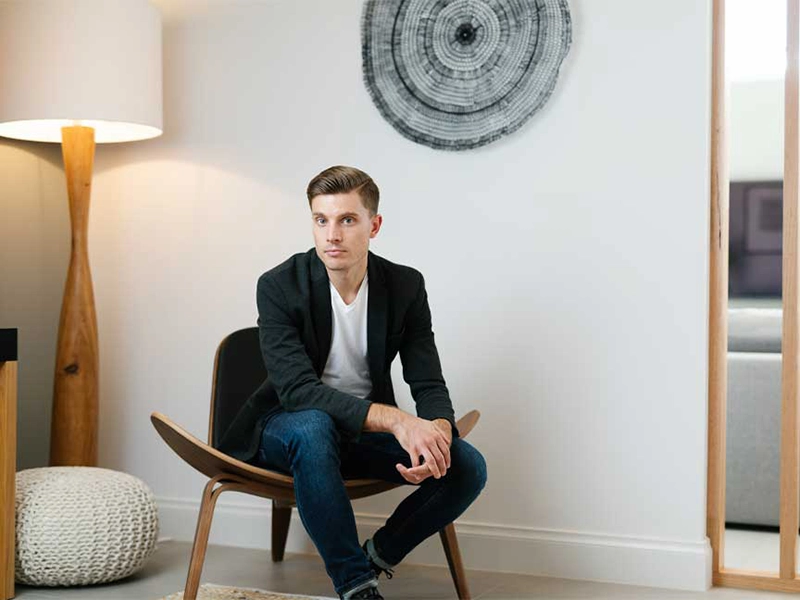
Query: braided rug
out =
(215, 592)
(458, 74)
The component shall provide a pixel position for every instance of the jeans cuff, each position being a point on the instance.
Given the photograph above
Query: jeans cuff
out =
(373, 582)
(373, 556)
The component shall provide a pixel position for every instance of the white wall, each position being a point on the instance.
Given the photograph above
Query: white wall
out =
(756, 112)
(566, 267)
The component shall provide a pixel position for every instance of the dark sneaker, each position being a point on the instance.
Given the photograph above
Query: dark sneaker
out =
(370, 593)
(376, 569)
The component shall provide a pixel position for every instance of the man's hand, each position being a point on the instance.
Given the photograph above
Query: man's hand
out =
(444, 425)
(422, 472)
(420, 437)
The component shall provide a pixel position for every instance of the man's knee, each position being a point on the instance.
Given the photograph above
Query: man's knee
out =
(470, 466)
(314, 432)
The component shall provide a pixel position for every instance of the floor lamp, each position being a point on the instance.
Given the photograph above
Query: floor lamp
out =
(79, 72)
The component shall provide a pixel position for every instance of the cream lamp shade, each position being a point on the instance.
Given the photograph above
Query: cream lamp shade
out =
(95, 63)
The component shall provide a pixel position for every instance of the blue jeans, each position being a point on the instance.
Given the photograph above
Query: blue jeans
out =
(307, 445)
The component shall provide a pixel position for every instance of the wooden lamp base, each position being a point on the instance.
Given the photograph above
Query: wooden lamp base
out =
(73, 433)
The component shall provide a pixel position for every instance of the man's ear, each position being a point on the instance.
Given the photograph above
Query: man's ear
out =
(377, 221)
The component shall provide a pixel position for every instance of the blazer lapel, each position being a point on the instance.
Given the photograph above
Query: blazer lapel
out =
(321, 310)
(376, 321)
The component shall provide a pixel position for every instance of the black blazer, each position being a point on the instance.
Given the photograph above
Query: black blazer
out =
(295, 324)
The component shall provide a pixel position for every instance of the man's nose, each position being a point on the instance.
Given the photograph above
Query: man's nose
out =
(334, 233)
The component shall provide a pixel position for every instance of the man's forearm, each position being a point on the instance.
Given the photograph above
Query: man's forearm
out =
(382, 417)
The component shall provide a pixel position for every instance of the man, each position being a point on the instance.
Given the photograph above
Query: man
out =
(331, 321)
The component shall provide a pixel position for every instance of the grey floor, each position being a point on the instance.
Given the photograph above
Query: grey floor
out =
(305, 574)
(753, 550)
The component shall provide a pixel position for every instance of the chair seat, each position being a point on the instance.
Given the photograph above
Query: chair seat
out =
(213, 463)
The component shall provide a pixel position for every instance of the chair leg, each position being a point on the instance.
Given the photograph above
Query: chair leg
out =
(210, 496)
(453, 554)
(281, 517)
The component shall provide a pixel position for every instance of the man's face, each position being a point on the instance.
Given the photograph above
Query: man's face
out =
(342, 228)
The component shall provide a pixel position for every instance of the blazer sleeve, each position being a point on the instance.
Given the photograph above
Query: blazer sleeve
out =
(290, 369)
(422, 369)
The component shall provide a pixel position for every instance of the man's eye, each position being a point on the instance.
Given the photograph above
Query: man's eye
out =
(348, 220)
(320, 221)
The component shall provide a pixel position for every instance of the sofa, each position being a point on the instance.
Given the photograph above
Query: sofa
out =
(753, 431)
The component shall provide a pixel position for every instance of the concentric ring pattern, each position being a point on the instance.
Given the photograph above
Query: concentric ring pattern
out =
(458, 74)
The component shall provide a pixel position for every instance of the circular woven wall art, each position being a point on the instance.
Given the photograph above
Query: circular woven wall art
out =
(458, 74)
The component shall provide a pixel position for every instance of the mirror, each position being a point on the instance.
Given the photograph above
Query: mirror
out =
(755, 65)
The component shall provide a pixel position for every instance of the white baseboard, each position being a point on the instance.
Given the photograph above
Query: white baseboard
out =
(548, 553)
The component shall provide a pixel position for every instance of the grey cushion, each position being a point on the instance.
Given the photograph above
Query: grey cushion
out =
(753, 438)
(754, 329)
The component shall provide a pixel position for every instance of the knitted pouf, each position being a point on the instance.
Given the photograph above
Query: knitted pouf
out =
(82, 525)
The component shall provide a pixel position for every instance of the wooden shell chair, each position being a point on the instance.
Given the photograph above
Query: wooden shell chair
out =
(238, 370)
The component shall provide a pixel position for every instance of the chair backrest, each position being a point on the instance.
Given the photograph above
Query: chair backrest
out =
(238, 371)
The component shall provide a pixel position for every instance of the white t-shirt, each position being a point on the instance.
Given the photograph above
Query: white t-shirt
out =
(347, 368)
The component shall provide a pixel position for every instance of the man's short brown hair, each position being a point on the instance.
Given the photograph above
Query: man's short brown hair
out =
(342, 180)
